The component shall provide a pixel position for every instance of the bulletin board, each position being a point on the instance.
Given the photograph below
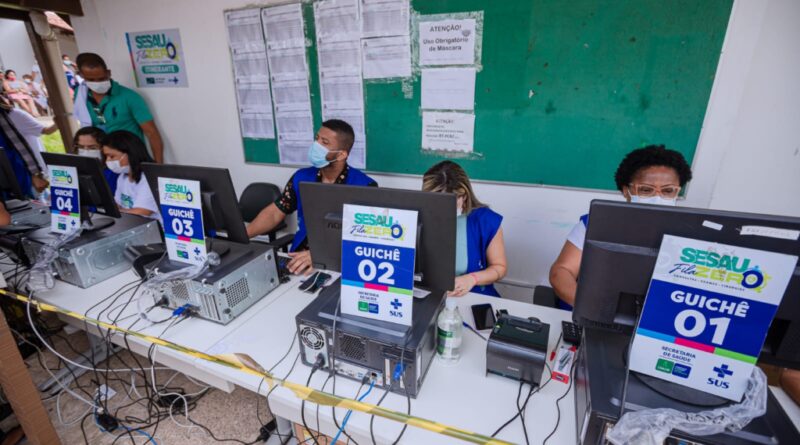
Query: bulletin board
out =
(563, 90)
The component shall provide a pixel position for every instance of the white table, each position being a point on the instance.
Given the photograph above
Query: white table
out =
(462, 396)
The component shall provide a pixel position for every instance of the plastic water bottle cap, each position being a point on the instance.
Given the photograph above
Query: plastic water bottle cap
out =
(450, 303)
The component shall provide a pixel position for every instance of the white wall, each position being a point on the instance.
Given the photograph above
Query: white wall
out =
(200, 125)
(15, 47)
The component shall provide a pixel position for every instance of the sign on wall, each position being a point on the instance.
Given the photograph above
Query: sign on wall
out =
(378, 249)
(157, 58)
(707, 313)
(182, 211)
(65, 206)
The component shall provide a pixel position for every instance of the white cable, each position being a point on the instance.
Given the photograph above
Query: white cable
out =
(78, 365)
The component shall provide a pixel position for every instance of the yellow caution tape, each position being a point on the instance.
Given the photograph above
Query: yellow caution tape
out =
(246, 364)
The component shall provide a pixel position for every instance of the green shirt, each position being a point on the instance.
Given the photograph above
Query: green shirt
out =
(121, 108)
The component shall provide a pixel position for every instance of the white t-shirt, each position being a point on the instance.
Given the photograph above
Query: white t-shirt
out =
(131, 195)
(578, 233)
(31, 130)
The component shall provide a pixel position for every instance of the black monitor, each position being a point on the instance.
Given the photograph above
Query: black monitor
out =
(220, 205)
(9, 187)
(436, 233)
(95, 194)
(619, 255)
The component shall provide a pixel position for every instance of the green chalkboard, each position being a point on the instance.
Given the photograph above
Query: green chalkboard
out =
(565, 89)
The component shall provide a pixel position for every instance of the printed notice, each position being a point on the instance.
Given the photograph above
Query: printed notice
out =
(251, 67)
(157, 58)
(182, 210)
(386, 57)
(257, 125)
(244, 31)
(337, 20)
(447, 42)
(283, 26)
(448, 89)
(382, 18)
(448, 131)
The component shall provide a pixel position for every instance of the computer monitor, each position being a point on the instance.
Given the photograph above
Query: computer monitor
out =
(619, 255)
(95, 194)
(9, 187)
(220, 205)
(436, 234)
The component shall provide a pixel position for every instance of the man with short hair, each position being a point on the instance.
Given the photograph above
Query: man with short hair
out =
(328, 156)
(102, 102)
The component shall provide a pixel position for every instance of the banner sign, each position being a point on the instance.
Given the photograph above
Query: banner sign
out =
(378, 251)
(157, 58)
(707, 313)
(65, 201)
(182, 211)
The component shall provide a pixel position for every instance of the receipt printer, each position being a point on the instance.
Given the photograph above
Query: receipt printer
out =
(517, 348)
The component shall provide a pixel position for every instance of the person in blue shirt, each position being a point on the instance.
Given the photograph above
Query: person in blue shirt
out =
(480, 250)
(328, 157)
(648, 175)
(87, 143)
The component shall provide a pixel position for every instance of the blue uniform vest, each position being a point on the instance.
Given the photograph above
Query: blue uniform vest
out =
(482, 225)
(309, 174)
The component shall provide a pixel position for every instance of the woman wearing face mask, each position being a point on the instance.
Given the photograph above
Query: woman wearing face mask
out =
(480, 251)
(124, 153)
(649, 175)
(87, 143)
(18, 92)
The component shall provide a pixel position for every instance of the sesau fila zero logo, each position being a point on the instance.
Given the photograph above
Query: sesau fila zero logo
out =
(723, 268)
(379, 225)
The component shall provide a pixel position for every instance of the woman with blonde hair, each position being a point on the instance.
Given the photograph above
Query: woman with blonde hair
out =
(480, 251)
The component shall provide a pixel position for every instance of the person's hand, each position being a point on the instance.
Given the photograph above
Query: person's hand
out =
(39, 183)
(300, 263)
(464, 284)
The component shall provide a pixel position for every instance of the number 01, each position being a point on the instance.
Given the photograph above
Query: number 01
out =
(720, 325)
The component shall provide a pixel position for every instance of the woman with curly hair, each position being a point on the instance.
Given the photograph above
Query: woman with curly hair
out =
(650, 175)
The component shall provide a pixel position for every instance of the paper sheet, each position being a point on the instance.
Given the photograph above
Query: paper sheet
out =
(341, 91)
(381, 18)
(293, 151)
(337, 20)
(448, 89)
(254, 97)
(287, 63)
(353, 116)
(295, 125)
(244, 31)
(358, 155)
(251, 67)
(339, 57)
(448, 131)
(257, 125)
(386, 57)
(447, 42)
(291, 95)
(283, 26)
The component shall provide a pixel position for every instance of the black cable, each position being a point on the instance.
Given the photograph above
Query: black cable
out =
(318, 364)
(521, 411)
(558, 407)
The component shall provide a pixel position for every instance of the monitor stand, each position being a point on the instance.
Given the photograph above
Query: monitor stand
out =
(94, 223)
(675, 391)
(220, 249)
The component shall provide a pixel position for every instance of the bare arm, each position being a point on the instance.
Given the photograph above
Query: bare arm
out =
(5, 217)
(154, 138)
(267, 219)
(495, 271)
(564, 272)
(137, 211)
(49, 130)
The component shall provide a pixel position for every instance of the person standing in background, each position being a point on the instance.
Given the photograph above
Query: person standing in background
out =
(103, 103)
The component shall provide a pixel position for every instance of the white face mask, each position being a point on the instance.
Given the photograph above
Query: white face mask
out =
(657, 199)
(90, 153)
(99, 87)
(116, 168)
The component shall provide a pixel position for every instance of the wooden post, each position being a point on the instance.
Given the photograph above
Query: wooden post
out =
(21, 393)
(48, 55)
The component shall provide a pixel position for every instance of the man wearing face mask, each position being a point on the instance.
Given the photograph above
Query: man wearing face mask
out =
(102, 102)
(328, 157)
(648, 175)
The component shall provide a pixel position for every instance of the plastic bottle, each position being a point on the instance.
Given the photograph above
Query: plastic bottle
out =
(449, 331)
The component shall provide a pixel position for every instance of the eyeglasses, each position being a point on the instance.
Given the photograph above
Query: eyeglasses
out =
(647, 191)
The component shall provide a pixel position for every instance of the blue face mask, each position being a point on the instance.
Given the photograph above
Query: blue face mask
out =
(317, 155)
